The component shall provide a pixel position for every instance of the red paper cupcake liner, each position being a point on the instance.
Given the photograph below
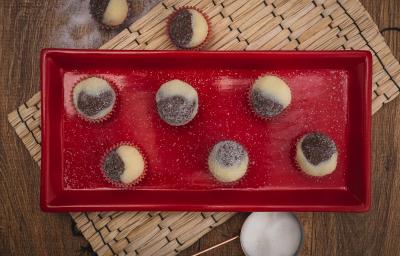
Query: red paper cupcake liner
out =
(280, 115)
(120, 184)
(200, 46)
(293, 153)
(109, 114)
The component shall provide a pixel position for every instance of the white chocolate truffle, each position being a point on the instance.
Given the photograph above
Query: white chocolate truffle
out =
(93, 98)
(177, 102)
(188, 28)
(111, 13)
(124, 164)
(316, 154)
(272, 234)
(228, 161)
(269, 96)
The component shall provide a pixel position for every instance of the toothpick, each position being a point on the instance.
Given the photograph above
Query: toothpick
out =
(217, 245)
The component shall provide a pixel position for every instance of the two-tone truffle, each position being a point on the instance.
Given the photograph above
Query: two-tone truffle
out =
(269, 96)
(316, 154)
(177, 102)
(93, 98)
(228, 161)
(124, 165)
(110, 13)
(188, 28)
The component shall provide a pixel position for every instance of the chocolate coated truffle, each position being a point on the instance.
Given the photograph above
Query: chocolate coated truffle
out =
(177, 102)
(269, 96)
(124, 164)
(93, 98)
(228, 161)
(316, 154)
(188, 28)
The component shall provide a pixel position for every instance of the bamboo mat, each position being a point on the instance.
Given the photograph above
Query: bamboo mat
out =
(236, 25)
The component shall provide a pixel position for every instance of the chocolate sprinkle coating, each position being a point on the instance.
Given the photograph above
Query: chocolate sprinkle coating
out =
(113, 166)
(91, 105)
(230, 153)
(98, 8)
(318, 147)
(180, 28)
(265, 106)
(176, 110)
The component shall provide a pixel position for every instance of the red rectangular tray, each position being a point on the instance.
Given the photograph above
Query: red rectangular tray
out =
(331, 93)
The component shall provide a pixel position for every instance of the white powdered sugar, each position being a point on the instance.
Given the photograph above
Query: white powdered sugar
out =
(271, 233)
(79, 30)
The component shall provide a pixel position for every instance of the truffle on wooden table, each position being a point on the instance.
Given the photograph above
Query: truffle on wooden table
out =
(188, 28)
(110, 13)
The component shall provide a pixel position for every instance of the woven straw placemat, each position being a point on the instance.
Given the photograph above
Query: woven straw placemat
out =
(236, 25)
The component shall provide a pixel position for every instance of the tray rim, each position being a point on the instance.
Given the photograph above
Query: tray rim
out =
(46, 203)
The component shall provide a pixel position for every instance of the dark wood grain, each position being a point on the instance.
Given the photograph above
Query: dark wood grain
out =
(26, 27)
(25, 230)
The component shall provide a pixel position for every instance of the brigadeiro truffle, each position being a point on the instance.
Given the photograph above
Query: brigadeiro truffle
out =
(316, 154)
(94, 98)
(177, 102)
(110, 13)
(124, 165)
(188, 28)
(228, 161)
(269, 96)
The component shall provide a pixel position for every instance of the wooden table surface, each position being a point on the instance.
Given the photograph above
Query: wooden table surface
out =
(26, 26)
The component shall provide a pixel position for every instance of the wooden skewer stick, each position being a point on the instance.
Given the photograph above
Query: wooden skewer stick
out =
(217, 245)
